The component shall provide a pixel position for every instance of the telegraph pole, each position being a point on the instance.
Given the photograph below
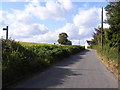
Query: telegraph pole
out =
(6, 32)
(102, 28)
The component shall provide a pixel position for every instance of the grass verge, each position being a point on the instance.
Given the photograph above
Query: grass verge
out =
(109, 56)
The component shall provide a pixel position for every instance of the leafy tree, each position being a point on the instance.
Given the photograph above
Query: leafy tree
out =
(111, 36)
(63, 35)
(63, 39)
(97, 36)
(113, 19)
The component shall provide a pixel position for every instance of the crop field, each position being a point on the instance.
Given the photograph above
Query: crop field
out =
(25, 44)
(21, 59)
(32, 44)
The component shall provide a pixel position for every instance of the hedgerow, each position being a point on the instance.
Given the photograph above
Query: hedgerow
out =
(21, 61)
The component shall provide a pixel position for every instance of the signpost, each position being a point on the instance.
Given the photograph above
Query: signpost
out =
(6, 32)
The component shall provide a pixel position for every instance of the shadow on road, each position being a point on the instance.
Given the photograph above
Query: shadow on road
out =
(56, 74)
(72, 59)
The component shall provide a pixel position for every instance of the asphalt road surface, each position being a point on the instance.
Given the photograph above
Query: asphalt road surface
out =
(83, 70)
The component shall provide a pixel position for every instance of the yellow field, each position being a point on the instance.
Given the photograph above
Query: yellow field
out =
(41, 44)
(31, 44)
(36, 44)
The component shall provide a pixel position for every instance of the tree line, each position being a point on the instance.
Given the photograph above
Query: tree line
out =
(107, 41)
(111, 35)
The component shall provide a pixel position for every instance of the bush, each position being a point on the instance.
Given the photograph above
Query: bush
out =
(18, 61)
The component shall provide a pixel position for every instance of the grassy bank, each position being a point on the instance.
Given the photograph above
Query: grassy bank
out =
(23, 59)
(110, 57)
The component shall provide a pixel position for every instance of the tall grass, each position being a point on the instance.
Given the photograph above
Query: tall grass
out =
(110, 53)
(110, 56)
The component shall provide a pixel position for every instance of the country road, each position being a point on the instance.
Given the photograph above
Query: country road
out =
(83, 70)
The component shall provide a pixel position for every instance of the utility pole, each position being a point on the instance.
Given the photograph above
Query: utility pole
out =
(102, 28)
(6, 32)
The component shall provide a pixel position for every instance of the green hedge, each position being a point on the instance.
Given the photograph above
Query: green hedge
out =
(19, 61)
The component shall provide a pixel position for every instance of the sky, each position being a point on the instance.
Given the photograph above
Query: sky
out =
(41, 22)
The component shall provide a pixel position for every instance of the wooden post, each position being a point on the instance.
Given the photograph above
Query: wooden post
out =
(102, 29)
(6, 32)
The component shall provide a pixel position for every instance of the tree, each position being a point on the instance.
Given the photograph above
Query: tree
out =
(111, 35)
(113, 19)
(89, 42)
(63, 39)
(63, 35)
(69, 42)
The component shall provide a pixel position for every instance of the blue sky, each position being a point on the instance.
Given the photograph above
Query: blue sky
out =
(7, 6)
(43, 21)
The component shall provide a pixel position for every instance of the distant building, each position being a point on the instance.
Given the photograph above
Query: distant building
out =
(86, 44)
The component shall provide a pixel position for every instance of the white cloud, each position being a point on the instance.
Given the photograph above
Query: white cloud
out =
(30, 30)
(87, 18)
(21, 25)
(23, 28)
(52, 35)
(2, 20)
(76, 42)
(49, 37)
(71, 30)
(51, 10)
(15, 0)
(105, 25)
(67, 4)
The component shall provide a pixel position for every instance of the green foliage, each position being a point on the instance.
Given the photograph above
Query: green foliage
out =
(63, 39)
(111, 54)
(113, 13)
(63, 35)
(19, 61)
(109, 51)
(111, 36)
